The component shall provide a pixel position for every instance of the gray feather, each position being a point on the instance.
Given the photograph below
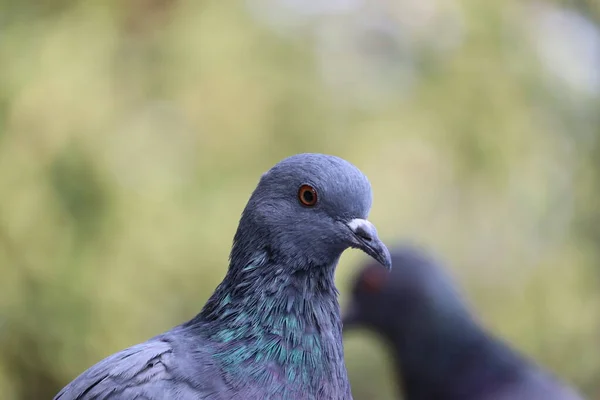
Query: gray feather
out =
(163, 367)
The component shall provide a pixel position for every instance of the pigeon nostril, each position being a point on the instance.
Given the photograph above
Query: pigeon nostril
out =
(363, 233)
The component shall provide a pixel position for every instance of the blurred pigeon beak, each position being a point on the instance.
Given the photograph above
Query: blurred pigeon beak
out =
(351, 318)
(366, 239)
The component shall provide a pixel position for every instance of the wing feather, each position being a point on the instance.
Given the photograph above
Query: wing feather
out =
(143, 371)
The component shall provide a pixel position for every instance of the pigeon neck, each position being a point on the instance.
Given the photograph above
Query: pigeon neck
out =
(281, 325)
(454, 359)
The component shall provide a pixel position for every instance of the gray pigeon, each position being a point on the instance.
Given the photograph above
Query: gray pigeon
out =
(441, 351)
(272, 328)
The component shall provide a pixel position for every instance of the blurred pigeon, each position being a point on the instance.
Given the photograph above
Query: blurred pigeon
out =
(272, 329)
(441, 351)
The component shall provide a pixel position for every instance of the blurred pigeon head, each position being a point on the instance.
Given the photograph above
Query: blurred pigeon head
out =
(418, 297)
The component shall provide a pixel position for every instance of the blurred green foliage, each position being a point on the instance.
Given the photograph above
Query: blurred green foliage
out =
(132, 133)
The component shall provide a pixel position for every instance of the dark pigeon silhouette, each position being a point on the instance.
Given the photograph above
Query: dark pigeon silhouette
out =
(272, 329)
(441, 351)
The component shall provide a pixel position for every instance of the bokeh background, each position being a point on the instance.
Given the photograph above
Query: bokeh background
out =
(133, 131)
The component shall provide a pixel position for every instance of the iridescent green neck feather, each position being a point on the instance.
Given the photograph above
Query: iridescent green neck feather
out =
(280, 329)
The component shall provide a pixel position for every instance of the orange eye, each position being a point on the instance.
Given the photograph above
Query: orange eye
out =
(307, 195)
(373, 279)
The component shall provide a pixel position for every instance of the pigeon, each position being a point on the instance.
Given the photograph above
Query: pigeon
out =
(440, 350)
(272, 328)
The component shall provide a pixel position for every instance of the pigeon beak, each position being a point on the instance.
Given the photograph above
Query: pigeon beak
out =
(351, 318)
(366, 239)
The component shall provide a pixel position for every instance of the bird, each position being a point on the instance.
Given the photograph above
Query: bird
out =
(440, 349)
(272, 328)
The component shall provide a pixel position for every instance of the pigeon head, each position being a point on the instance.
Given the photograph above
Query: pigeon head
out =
(417, 297)
(306, 211)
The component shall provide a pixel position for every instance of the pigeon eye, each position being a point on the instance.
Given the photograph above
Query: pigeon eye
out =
(307, 195)
(373, 280)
